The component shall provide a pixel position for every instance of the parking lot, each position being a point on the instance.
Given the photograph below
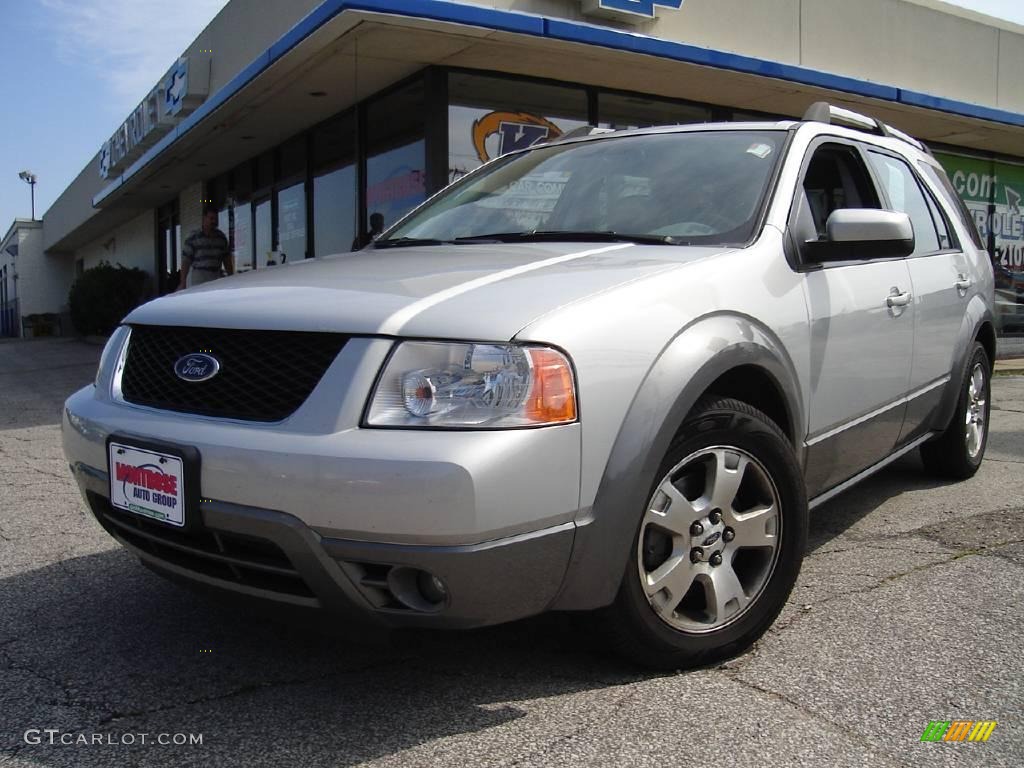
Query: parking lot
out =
(909, 609)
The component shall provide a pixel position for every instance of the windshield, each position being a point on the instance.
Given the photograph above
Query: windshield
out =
(703, 187)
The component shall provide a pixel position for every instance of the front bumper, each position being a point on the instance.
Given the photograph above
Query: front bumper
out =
(272, 555)
(316, 511)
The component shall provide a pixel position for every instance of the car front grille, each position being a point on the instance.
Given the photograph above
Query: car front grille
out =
(263, 376)
(233, 557)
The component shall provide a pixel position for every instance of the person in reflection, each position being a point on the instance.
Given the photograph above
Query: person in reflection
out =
(205, 253)
(376, 228)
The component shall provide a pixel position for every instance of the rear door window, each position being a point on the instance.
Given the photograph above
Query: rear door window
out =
(905, 195)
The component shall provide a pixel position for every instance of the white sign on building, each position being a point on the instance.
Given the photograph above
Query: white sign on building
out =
(179, 92)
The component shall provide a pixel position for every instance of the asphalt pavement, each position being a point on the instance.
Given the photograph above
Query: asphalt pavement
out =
(909, 609)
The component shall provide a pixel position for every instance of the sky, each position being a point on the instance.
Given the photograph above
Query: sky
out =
(72, 70)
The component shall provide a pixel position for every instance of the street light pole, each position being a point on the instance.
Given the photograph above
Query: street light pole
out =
(30, 179)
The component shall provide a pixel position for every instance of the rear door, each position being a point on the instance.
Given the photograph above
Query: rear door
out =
(862, 333)
(940, 285)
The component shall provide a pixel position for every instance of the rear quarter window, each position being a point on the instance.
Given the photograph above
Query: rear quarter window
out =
(938, 175)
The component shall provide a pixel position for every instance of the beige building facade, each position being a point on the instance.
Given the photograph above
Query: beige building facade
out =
(302, 119)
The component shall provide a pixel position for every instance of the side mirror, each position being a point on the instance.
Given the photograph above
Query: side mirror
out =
(855, 234)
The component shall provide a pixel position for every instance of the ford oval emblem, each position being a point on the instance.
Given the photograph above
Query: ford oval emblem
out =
(198, 366)
(711, 539)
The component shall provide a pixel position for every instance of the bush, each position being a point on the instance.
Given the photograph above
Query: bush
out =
(102, 296)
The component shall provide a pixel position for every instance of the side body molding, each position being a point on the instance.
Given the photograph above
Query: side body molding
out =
(691, 362)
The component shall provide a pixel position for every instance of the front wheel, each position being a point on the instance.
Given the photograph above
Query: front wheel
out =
(719, 543)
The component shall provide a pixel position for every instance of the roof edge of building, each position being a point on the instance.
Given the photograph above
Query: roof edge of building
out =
(567, 31)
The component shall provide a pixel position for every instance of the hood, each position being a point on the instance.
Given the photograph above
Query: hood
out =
(478, 291)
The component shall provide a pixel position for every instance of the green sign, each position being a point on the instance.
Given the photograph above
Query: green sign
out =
(994, 192)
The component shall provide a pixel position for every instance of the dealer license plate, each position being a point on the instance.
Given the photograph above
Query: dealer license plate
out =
(147, 483)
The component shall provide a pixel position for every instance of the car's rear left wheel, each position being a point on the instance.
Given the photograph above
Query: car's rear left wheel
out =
(958, 451)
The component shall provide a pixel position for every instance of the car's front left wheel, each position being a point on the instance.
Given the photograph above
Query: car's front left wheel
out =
(719, 543)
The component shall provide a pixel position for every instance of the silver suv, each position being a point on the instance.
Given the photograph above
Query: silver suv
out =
(610, 373)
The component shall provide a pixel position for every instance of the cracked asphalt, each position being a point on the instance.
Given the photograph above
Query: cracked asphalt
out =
(909, 609)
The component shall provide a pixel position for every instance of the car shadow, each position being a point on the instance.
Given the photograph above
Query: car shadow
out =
(99, 644)
(836, 516)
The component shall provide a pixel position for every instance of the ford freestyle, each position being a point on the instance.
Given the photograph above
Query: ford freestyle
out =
(610, 374)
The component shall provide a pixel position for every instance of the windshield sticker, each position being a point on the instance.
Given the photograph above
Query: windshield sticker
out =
(760, 151)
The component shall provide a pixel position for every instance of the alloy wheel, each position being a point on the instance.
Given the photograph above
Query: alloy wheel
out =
(977, 411)
(709, 540)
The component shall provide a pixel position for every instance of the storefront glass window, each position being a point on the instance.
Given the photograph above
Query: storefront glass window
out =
(291, 223)
(994, 193)
(263, 232)
(396, 156)
(334, 186)
(334, 211)
(621, 111)
(489, 116)
(242, 237)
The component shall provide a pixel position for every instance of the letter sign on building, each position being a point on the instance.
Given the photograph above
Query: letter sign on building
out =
(176, 96)
(629, 11)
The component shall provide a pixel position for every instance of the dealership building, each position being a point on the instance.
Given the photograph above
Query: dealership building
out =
(301, 119)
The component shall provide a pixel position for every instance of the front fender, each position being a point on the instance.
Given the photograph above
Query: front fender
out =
(684, 371)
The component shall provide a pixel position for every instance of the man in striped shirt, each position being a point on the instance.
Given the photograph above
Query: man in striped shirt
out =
(205, 252)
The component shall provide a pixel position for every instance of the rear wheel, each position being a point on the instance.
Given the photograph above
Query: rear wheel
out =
(719, 543)
(958, 451)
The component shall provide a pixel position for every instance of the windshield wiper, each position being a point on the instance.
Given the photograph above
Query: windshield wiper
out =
(551, 235)
(400, 242)
(557, 235)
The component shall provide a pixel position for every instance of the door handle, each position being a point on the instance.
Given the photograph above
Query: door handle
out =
(897, 299)
(963, 282)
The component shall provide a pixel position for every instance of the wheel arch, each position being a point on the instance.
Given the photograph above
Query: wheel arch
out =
(977, 325)
(734, 352)
(756, 386)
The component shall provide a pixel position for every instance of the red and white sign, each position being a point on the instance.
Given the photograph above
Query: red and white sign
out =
(147, 483)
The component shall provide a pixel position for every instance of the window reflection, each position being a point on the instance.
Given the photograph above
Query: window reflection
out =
(291, 223)
(262, 239)
(395, 184)
(489, 116)
(243, 237)
(620, 111)
(334, 211)
(396, 158)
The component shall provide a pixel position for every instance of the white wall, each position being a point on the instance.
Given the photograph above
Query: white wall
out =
(43, 281)
(918, 45)
(131, 245)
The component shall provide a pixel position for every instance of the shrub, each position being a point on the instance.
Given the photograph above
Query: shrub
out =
(103, 295)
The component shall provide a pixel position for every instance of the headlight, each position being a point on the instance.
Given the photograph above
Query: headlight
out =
(441, 384)
(111, 352)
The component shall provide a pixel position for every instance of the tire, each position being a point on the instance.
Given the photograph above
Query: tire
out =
(957, 452)
(699, 613)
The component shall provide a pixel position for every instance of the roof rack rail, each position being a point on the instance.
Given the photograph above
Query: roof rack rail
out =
(823, 112)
